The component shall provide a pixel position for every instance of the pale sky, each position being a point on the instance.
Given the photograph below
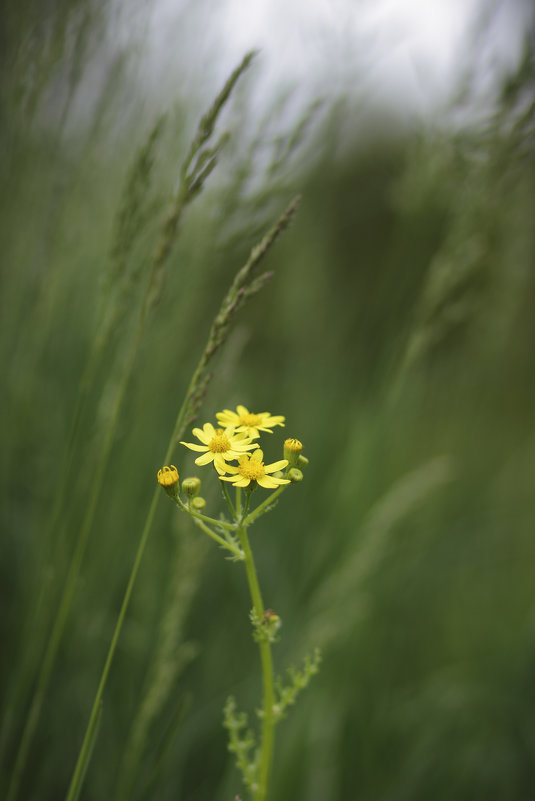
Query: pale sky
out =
(402, 51)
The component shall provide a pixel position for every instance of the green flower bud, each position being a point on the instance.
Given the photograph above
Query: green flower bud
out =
(295, 475)
(198, 504)
(292, 450)
(302, 462)
(191, 487)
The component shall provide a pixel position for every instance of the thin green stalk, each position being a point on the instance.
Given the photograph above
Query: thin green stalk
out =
(247, 501)
(268, 690)
(54, 640)
(199, 516)
(226, 495)
(217, 538)
(263, 506)
(85, 750)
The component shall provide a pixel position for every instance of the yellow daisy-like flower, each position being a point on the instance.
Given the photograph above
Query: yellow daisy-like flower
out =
(248, 423)
(218, 445)
(252, 468)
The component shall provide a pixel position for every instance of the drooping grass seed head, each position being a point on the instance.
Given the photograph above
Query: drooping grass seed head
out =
(292, 451)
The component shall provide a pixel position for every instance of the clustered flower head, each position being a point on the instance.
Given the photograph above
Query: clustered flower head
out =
(234, 441)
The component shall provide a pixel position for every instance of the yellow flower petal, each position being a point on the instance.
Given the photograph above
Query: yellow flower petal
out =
(209, 430)
(206, 458)
(194, 447)
(199, 433)
(268, 482)
(272, 468)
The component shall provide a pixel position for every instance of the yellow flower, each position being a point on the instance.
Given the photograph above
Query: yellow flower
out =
(218, 445)
(252, 468)
(248, 423)
(168, 476)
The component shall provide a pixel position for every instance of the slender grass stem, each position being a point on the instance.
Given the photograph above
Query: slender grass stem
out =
(268, 691)
(85, 751)
(60, 620)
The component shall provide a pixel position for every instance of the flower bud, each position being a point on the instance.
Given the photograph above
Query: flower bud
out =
(168, 479)
(295, 475)
(302, 462)
(191, 487)
(292, 450)
(198, 504)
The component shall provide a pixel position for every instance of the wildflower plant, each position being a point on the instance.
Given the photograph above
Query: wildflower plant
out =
(238, 461)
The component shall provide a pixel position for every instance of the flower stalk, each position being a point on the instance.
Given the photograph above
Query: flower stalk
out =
(220, 447)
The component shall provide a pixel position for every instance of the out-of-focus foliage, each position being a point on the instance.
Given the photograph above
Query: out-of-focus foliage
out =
(397, 338)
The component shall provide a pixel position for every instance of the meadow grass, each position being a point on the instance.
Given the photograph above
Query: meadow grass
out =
(397, 339)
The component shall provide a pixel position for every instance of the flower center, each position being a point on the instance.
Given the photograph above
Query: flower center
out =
(250, 419)
(252, 469)
(219, 443)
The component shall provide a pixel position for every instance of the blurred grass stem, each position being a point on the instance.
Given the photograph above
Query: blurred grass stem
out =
(191, 183)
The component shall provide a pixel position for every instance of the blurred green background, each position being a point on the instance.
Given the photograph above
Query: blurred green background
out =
(397, 337)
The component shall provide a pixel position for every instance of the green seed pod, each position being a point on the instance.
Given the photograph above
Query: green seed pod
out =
(191, 487)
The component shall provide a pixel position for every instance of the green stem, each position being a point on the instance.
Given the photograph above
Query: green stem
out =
(65, 603)
(199, 516)
(217, 538)
(227, 498)
(268, 692)
(263, 506)
(85, 750)
(247, 500)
